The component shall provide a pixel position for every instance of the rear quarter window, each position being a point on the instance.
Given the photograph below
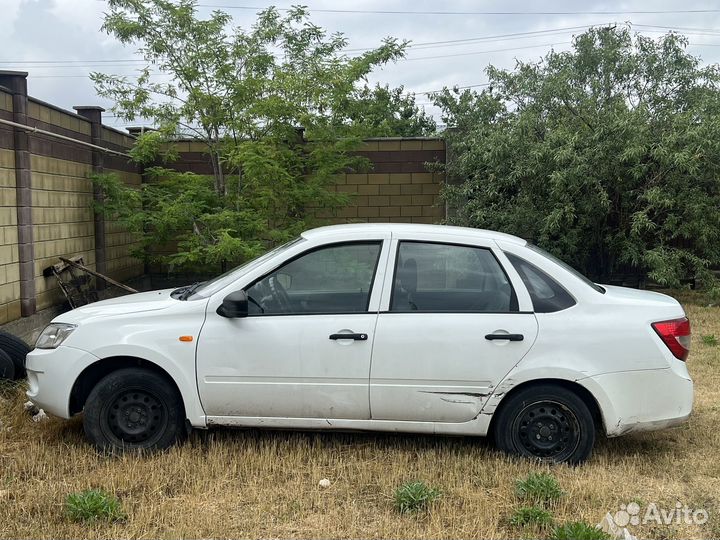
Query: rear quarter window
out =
(547, 295)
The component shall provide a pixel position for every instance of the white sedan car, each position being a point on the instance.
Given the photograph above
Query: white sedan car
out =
(388, 327)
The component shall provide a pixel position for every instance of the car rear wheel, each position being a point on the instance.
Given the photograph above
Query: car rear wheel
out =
(134, 409)
(546, 422)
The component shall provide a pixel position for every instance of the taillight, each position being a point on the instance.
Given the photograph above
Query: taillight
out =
(676, 335)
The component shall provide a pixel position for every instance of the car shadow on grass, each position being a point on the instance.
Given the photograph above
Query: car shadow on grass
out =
(646, 445)
(334, 439)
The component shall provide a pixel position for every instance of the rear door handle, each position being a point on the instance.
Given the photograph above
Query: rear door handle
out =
(509, 337)
(356, 337)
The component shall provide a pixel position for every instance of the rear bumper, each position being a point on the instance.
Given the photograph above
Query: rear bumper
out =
(644, 400)
(51, 375)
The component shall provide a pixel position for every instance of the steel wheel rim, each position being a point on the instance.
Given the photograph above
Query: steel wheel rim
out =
(135, 417)
(547, 430)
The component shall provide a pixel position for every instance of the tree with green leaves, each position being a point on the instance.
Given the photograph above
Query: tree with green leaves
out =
(382, 111)
(607, 155)
(266, 102)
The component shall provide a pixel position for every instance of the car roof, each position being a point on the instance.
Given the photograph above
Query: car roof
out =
(401, 228)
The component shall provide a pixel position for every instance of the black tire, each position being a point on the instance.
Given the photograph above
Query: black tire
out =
(16, 349)
(546, 422)
(134, 409)
(7, 367)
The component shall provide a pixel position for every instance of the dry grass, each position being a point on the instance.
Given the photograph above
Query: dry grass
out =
(229, 483)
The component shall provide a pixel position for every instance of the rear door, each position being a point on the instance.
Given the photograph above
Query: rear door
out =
(454, 320)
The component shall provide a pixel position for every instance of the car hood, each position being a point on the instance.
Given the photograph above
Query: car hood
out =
(122, 305)
(636, 296)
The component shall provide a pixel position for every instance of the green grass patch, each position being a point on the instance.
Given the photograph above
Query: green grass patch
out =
(709, 340)
(93, 505)
(414, 496)
(531, 516)
(538, 488)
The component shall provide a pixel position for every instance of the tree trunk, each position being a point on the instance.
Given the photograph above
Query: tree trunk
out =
(219, 176)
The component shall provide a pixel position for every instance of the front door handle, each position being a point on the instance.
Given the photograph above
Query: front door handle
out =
(356, 337)
(509, 337)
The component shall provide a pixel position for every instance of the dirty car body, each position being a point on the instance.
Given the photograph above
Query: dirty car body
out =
(411, 328)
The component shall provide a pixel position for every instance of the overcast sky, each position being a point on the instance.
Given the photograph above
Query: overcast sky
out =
(57, 41)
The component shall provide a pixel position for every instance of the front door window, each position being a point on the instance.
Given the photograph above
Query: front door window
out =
(333, 279)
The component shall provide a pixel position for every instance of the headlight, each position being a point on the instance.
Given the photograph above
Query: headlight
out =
(53, 335)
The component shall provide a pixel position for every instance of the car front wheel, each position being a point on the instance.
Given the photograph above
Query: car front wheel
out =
(134, 409)
(546, 422)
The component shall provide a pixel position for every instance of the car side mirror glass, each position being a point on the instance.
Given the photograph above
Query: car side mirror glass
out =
(234, 305)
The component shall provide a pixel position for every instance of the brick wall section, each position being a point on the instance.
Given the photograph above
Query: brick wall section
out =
(119, 243)
(9, 259)
(62, 219)
(399, 189)
(192, 158)
(120, 265)
(63, 196)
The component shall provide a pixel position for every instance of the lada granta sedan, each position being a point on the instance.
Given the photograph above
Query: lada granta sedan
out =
(387, 327)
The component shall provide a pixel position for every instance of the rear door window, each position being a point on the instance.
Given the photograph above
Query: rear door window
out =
(440, 277)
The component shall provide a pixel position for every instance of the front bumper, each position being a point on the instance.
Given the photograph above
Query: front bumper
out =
(644, 400)
(52, 374)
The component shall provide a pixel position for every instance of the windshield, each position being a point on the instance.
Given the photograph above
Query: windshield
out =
(223, 280)
(566, 266)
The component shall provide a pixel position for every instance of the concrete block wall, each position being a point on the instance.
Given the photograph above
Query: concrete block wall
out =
(399, 188)
(9, 261)
(62, 220)
(119, 243)
(62, 215)
(46, 197)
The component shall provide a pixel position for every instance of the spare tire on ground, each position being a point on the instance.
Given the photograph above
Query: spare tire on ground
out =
(16, 349)
(7, 367)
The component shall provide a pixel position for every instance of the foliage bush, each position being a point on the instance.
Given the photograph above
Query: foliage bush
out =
(607, 155)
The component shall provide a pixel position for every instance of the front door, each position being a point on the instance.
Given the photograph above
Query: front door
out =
(440, 347)
(304, 350)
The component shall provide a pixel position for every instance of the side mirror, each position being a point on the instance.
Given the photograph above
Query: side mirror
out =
(234, 305)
